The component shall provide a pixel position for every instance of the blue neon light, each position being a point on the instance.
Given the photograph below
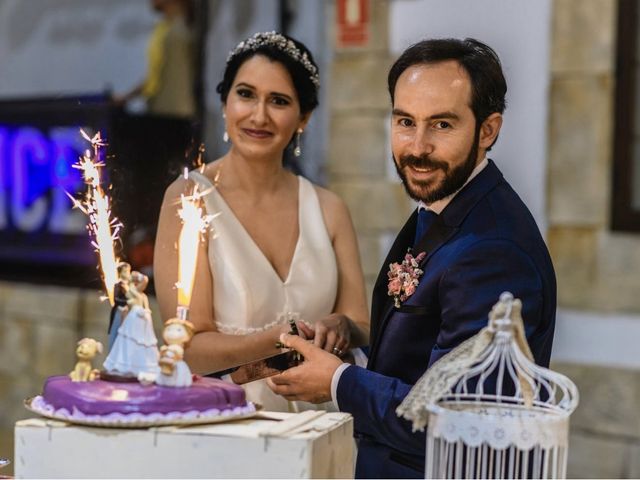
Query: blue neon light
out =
(35, 171)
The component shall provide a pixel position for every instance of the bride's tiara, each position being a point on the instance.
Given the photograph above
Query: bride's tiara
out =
(277, 40)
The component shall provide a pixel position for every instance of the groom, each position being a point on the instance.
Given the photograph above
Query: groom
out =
(478, 239)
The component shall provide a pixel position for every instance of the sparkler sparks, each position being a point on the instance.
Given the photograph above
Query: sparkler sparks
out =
(95, 204)
(194, 224)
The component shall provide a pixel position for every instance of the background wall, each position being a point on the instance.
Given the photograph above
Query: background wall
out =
(64, 47)
(230, 22)
(597, 268)
(518, 30)
(556, 149)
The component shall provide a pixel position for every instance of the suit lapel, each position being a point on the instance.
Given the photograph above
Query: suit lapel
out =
(434, 238)
(445, 227)
(380, 300)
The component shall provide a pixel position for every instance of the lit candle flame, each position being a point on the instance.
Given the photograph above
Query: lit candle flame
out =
(95, 205)
(194, 224)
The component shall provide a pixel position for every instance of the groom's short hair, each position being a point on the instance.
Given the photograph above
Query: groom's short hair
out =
(488, 86)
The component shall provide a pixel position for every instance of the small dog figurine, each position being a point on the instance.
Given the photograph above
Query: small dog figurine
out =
(87, 349)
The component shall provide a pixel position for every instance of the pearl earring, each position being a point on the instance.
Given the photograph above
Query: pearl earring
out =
(297, 151)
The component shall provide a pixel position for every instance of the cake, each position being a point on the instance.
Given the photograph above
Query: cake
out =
(146, 388)
(139, 385)
(133, 404)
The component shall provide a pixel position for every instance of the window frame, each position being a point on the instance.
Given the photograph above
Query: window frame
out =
(623, 216)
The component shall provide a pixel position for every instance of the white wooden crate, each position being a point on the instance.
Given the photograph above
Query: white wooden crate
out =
(269, 446)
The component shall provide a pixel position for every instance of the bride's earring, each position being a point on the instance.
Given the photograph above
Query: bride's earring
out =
(298, 151)
(225, 135)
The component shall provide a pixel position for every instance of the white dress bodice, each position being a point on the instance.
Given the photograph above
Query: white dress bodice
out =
(248, 294)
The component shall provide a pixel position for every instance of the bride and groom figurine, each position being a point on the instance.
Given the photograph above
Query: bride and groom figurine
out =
(133, 344)
(133, 347)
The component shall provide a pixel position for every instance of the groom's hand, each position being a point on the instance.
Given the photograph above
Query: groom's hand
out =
(310, 381)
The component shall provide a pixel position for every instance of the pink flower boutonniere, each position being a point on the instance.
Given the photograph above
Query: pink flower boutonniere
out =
(404, 277)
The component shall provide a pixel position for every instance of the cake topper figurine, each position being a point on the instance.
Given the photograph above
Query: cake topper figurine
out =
(86, 351)
(135, 350)
(174, 371)
(119, 308)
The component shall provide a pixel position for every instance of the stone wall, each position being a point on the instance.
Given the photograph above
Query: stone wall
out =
(40, 326)
(359, 160)
(597, 269)
(605, 428)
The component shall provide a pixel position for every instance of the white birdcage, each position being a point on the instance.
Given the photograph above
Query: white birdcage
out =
(491, 411)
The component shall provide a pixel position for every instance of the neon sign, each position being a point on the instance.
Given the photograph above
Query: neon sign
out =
(35, 171)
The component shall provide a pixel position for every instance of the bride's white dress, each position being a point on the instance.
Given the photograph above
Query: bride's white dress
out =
(248, 294)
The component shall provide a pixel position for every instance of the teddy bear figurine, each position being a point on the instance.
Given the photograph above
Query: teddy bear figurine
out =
(87, 349)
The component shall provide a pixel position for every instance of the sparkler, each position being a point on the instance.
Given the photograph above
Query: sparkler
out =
(95, 204)
(194, 224)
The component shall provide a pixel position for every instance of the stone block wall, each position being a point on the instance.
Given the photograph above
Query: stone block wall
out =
(604, 441)
(597, 269)
(359, 160)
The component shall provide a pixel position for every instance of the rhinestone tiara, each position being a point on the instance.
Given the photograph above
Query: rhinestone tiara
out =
(277, 40)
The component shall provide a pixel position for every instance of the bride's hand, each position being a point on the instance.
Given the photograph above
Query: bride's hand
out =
(331, 333)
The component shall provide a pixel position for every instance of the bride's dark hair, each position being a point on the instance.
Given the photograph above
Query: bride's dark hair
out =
(305, 88)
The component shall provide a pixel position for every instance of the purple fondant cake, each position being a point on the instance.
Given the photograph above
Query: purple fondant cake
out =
(114, 403)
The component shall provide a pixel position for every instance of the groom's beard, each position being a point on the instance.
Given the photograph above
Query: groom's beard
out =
(454, 177)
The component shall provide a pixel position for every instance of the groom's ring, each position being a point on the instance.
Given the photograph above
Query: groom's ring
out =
(337, 351)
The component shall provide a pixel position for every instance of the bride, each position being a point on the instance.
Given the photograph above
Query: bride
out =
(280, 245)
(135, 350)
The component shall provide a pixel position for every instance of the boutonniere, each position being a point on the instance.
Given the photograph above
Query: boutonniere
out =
(404, 277)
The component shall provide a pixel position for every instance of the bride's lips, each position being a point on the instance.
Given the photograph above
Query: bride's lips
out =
(259, 134)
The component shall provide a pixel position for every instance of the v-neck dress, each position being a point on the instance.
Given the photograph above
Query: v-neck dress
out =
(248, 294)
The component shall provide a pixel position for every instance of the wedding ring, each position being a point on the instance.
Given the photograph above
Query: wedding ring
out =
(337, 351)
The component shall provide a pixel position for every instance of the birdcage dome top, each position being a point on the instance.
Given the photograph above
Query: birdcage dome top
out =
(491, 376)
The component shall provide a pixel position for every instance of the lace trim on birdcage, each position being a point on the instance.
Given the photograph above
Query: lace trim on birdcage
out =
(439, 379)
(500, 427)
(444, 373)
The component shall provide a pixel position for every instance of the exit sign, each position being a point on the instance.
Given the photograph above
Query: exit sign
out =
(353, 20)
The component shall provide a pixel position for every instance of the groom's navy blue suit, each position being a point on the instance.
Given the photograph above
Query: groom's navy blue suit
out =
(483, 243)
